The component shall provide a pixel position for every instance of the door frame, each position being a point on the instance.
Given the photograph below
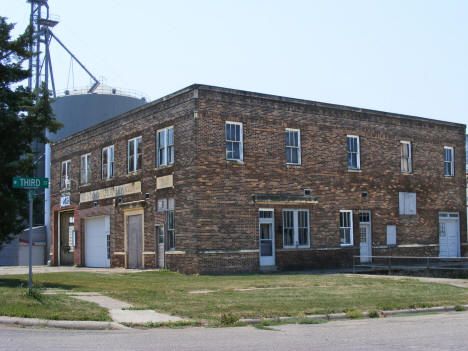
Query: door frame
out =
(267, 221)
(450, 217)
(59, 234)
(368, 239)
(134, 212)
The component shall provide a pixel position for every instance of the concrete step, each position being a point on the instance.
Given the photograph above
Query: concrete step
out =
(268, 269)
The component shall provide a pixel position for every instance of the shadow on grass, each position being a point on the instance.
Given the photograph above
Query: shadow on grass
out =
(23, 283)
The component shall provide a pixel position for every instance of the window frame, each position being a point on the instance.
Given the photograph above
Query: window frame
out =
(296, 228)
(350, 227)
(240, 141)
(298, 147)
(63, 178)
(133, 168)
(358, 153)
(451, 162)
(409, 158)
(87, 168)
(168, 150)
(110, 162)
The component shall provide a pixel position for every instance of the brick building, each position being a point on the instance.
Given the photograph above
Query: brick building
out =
(214, 180)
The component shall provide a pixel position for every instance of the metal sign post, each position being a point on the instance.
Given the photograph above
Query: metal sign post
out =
(30, 184)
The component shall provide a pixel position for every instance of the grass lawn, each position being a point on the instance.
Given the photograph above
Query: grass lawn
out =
(292, 295)
(15, 301)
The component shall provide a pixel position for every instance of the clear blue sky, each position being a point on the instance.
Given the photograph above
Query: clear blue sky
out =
(401, 56)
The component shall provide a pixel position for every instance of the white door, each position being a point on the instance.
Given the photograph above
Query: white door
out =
(97, 241)
(365, 236)
(365, 244)
(449, 235)
(266, 237)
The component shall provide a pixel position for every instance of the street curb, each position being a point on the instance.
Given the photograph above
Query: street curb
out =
(341, 316)
(83, 325)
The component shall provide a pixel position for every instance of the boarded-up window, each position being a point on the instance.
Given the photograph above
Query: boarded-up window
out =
(407, 203)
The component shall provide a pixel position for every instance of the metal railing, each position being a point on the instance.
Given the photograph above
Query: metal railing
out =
(393, 263)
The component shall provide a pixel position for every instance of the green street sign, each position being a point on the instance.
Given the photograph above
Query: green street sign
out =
(30, 183)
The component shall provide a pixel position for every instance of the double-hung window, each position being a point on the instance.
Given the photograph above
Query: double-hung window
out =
(354, 159)
(406, 158)
(165, 147)
(293, 147)
(234, 147)
(85, 169)
(168, 206)
(134, 154)
(65, 174)
(449, 169)
(346, 227)
(170, 224)
(108, 162)
(295, 228)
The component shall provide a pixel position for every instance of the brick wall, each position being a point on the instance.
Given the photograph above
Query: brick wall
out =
(215, 211)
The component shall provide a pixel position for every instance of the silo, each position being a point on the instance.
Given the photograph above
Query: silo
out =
(78, 110)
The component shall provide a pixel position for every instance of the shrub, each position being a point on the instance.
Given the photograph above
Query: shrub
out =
(228, 319)
(354, 314)
(460, 308)
(374, 314)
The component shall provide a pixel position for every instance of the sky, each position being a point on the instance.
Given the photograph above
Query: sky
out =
(400, 56)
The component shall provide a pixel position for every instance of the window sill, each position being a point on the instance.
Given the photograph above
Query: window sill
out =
(352, 170)
(295, 247)
(164, 167)
(406, 173)
(346, 245)
(129, 174)
(235, 162)
(293, 165)
(449, 176)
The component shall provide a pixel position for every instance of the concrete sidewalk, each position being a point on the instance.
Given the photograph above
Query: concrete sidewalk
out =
(119, 311)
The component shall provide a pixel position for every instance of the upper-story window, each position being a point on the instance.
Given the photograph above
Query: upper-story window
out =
(293, 147)
(165, 147)
(449, 169)
(85, 169)
(108, 162)
(134, 152)
(406, 157)
(234, 147)
(65, 174)
(354, 158)
(346, 227)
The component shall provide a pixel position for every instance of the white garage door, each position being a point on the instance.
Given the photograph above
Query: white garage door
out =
(97, 232)
(449, 235)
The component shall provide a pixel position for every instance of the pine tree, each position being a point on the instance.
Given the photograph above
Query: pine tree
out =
(24, 116)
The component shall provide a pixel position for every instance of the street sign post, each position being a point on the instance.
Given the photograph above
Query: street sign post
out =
(30, 184)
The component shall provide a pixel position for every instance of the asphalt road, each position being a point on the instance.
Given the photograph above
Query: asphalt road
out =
(447, 331)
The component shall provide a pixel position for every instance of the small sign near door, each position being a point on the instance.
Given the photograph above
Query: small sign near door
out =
(65, 201)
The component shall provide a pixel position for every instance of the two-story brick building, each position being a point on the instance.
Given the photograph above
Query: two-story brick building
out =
(210, 179)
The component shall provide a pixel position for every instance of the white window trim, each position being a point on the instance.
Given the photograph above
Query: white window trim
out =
(65, 184)
(241, 142)
(452, 163)
(165, 147)
(410, 157)
(107, 150)
(299, 159)
(351, 232)
(296, 228)
(358, 151)
(86, 156)
(135, 154)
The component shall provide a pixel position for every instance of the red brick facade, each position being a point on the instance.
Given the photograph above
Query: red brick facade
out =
(216, 214)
